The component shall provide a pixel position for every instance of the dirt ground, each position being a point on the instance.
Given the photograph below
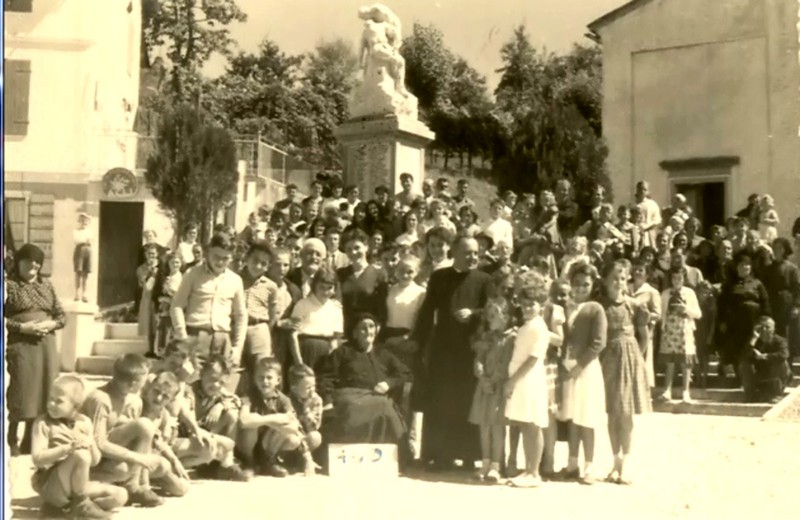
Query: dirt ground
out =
(684, 466)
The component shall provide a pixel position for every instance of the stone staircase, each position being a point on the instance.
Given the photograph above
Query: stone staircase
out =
(120, 338)
(716, 399)
(123, 338)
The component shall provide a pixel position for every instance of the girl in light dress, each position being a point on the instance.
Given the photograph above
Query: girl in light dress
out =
(555, 318)
(527, 405)
(768, 220)
(681, 309)
(492, 347)
(649, 297)
(583, 400)
(168, 287)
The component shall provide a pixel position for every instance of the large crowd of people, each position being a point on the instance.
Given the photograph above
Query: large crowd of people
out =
(409, 320)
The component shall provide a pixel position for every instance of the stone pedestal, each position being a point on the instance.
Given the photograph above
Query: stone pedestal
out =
(376, 151)
(79, 334)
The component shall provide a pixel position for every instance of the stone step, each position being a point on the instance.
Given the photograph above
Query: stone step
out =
(117, 347)
(122, 331)
(95, 365)
(706, 407)
(91, 381)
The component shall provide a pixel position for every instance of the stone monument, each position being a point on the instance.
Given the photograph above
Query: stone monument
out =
(384, 137)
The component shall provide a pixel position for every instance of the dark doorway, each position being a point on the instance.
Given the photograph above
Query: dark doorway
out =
(708, 201)
(121, 226)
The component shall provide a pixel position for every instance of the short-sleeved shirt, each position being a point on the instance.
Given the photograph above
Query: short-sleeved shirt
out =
(309, 411)
(97, 406)
(319, 318)
(403, 304)
(532, 340)
(60, 432)
(274, 402)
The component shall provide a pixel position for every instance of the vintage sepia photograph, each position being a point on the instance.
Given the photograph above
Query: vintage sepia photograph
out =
(409, 259)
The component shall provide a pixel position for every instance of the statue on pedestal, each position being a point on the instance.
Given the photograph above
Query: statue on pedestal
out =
(382, 91)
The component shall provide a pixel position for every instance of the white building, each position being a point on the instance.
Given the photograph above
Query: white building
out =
(71, 96)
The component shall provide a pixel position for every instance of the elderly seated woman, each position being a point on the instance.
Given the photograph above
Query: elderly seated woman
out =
(358, 379)
(763, 365)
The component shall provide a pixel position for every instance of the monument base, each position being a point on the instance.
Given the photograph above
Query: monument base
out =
(376, 151)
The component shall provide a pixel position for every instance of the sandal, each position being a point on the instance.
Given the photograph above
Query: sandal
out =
(612, 478)
(622, 481)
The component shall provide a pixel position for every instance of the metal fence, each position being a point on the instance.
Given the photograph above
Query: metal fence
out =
(265, 161)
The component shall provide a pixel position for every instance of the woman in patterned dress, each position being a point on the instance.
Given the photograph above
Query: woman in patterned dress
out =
(33, 313)
(678, 346)
(624, 373)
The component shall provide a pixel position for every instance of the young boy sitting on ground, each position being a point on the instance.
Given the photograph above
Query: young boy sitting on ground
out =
(308, 405)
(157, 394)
(194, 445)
(63, 451)
(124, 438)
(216, 408)
(268, 425)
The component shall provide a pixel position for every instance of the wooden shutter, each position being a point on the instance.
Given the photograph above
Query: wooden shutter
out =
(16, 96)
(40, 227)
(17, 215)
(18, 6)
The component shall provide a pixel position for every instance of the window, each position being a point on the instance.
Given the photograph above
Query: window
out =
(16, 96)
(16, 215)
(18, 6)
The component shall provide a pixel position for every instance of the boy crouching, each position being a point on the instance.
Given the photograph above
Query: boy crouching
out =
(64, 450)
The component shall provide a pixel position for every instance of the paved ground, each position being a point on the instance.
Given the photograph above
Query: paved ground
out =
(685, 467)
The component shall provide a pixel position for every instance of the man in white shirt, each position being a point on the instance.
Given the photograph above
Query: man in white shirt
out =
(498, 228)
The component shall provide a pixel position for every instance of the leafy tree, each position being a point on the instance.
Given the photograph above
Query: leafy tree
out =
(256, 93)
(429, 66)
(549, 108)
(192, 170)
(452, 95)
(295, 101)
(189, 31)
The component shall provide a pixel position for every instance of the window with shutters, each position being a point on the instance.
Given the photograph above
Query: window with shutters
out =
(17, 217)
(18, 6)
(16, 96)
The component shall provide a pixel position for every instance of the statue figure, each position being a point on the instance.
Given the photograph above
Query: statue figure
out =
(380, 44)
(383, 90)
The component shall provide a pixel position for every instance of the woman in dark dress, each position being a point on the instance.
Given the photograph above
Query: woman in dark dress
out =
(782, 281)
(359, 379)
(741, 302)
(363, 287)
(33, 313)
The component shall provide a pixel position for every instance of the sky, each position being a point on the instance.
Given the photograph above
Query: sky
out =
(473, 29)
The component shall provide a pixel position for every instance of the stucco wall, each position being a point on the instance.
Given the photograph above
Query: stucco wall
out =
(692, 78)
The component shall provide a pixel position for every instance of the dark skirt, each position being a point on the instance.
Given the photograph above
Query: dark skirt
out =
(33, 365)
(362, 416)
(403, 349)
(314, 349)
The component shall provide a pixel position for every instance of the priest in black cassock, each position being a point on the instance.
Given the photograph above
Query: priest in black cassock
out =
(446, 322)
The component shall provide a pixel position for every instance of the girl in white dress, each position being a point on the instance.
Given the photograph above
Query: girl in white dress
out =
(583, 400)
(768, 220)
(527, 404)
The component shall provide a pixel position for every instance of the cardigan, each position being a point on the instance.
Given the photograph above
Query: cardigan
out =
(586, 334)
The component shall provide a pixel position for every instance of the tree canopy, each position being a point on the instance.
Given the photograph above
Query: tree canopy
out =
(549, 107)
(192, 170)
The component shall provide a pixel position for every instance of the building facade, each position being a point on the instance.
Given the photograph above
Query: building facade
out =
(701, 98)
(71, 96)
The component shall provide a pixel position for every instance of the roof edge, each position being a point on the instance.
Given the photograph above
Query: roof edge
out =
(617, 13)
